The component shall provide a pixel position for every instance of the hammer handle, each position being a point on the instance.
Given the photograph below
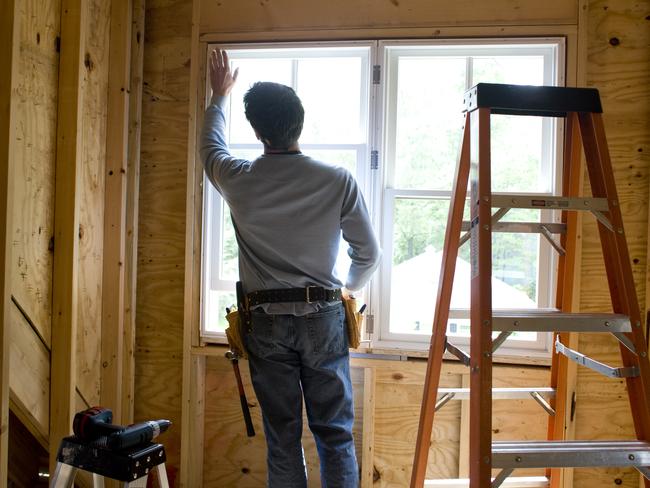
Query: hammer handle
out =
(242, 398)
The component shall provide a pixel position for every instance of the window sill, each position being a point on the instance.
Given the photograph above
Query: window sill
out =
(217, 347)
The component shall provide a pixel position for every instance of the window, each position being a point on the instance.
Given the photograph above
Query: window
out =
(391, 112)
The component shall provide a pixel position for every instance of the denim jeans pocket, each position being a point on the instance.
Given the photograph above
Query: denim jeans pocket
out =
(327, 330)
(260, 340)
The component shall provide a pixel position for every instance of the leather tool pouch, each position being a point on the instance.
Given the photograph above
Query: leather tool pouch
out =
(353, 320)
(234, 333)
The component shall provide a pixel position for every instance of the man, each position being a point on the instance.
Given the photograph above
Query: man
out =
(288, 212)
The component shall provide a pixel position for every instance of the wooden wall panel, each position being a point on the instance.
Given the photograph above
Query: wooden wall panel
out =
(9, 56)
(35, 150)
(619, 66)
(233, 459)
(29, 377)
(161, 223)
(306, 15)
(91, 217)
(398, 396)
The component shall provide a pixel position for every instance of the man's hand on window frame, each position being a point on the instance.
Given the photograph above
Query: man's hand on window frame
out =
(221, 78)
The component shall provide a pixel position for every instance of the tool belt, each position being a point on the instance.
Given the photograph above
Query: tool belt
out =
(309, 294)
(237, 318)
(353, 321)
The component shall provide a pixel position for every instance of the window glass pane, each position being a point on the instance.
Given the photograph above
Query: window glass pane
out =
(515, 261)
(330, 91)
(514, 70)
(418, 235)
(516, 143)
(252, 70)
(516, 140)
(215, 310)
(229, 255)
(419, 227)
(428, 121)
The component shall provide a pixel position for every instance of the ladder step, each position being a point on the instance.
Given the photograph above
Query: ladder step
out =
(518, 482)
(549, 202)
(548, 320)
(522, 227)
(499, 393)
(569, 454)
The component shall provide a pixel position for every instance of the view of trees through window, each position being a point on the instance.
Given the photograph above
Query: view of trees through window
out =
(424, 117)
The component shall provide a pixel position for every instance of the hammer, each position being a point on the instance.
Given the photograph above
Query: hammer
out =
(234, 359)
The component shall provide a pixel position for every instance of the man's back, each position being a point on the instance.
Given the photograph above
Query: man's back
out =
(289, 212)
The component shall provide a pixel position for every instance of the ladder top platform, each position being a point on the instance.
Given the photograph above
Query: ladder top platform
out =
(549, 101)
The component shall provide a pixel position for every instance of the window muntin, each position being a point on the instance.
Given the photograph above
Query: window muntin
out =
(418, 151)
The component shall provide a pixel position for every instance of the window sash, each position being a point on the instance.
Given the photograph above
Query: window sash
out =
(214, 206)
(552, 50)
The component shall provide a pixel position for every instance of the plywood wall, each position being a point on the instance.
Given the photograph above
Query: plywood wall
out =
(35, 150)
(254, 16)
(33, 243)
(161, 222)
(233, 459)
(91, 217)
(619, 66)
(619, 69)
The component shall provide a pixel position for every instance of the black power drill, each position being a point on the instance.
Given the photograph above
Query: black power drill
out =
(94, 425)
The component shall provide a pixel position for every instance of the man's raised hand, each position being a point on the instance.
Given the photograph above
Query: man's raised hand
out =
(221, 79)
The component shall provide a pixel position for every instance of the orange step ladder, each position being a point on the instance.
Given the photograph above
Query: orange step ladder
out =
(581, 109)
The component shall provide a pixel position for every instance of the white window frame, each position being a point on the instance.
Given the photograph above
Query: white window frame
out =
(554, 53)
(376, 184)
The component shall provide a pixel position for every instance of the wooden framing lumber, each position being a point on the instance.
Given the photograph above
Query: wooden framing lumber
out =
(567, 375)
(192, 389)
(132, 194)
(368, 429)
(66, 222)
(115, 208)
(9, 35)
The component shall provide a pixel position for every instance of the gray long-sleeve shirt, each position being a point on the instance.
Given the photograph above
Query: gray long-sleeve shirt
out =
(289, 212)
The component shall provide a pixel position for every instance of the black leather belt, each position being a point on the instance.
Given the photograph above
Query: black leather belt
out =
(308, 294)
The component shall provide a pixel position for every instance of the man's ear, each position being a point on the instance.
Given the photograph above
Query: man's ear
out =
(261, 139)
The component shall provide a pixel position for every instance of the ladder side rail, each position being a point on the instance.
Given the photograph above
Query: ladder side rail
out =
(480, 428)
(560, 365)
(441, 314)
(619, 270)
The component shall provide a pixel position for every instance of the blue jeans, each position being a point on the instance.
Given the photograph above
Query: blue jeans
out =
(292, 357)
